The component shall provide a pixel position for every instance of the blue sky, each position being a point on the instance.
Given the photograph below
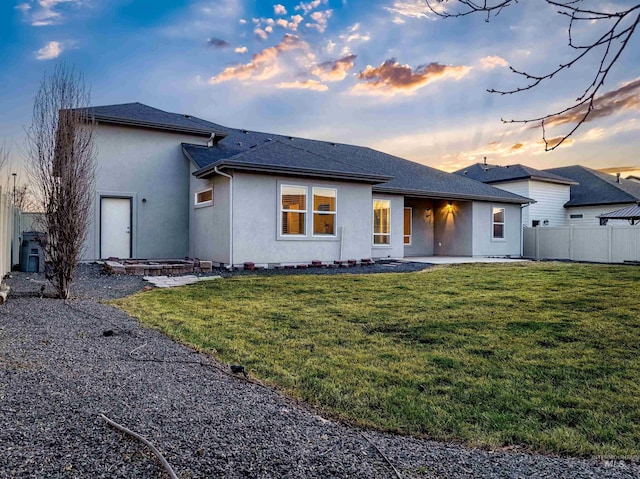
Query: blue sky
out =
(379, 73)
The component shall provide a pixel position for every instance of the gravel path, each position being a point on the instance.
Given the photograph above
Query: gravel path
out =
(58, 372)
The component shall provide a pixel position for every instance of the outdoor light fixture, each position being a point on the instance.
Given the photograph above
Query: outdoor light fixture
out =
(449, 207)
(427, 212)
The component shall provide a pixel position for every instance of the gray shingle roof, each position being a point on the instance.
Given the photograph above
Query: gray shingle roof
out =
(277, 157)
(137, 114)
(498, 174)
(406, 176)
(597, 188)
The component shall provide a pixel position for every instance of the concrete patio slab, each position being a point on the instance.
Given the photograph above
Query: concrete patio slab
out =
(173, 281)
(461, 260)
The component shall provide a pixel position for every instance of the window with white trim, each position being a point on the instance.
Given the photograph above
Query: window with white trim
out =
(381, 222)
(498, 223)
(293, 208)
(324, 211)
(204, 197)
(408, 225)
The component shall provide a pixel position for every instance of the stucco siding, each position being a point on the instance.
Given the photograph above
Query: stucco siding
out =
(551, 198)
(148, 167)
(453, 228)
(590, 214)
(209, 225)
(256, 214)
(422, 228)
(483, 243)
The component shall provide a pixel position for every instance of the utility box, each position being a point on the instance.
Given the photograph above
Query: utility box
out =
(32, 252)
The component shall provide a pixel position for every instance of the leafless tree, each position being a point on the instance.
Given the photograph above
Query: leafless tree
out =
(61, 157)
(23, 199)
(618, 26)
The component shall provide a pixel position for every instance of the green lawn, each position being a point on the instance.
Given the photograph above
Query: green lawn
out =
(543, 355)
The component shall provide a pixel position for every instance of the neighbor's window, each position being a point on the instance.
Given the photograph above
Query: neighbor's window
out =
(576, 216)
(293, 206)
(324, 211)
(204, 197)
(498, 223)
(381, 222)
(407, 225)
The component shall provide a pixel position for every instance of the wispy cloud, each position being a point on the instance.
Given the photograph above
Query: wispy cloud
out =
(491, 62)
(217, 43)
(242, 49)
(50, 51)
(45, 12)
(334, 70)
(314, 85)
(263, 65)
(620, 100)
(353, 34)
(391, 78)
(411, 9)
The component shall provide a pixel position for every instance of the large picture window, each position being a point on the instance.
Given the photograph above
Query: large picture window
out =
(293, 209)
(381, 222)
(324, 211)
(407, 225)
(498, 223)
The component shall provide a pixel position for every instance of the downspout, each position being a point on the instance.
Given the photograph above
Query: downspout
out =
(217, 171)
(522, 229)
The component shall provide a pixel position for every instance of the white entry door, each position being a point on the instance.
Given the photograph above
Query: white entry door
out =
(115, 227)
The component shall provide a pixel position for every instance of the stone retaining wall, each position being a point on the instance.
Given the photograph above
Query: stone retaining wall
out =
(157, 268)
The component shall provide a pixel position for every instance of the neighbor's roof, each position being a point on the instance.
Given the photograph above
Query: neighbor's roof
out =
(498, 174)
(277, 157)
(628, 213)
(597, 188)
(137, 114)
(406, 177)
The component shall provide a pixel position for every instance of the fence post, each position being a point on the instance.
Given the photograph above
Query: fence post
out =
(610, 243)
(571, 232)
(537, 243)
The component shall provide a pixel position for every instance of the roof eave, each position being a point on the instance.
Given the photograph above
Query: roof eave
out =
(451, 196)
(530, 178)
(284, 170)
(601, 203)
(157, 126)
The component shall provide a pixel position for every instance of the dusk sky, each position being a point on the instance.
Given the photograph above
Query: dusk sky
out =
(380, 73)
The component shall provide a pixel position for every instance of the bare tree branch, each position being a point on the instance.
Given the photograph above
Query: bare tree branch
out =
(619, 25)
(61, 161)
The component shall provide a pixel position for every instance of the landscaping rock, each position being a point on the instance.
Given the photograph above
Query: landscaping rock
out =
(58, 371)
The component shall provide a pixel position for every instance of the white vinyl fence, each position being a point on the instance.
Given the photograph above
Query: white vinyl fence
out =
(598, 244)
(7, 226)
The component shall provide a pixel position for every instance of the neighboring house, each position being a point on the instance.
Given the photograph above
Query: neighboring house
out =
(596, 194)
(550, 191)
(172, 185)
